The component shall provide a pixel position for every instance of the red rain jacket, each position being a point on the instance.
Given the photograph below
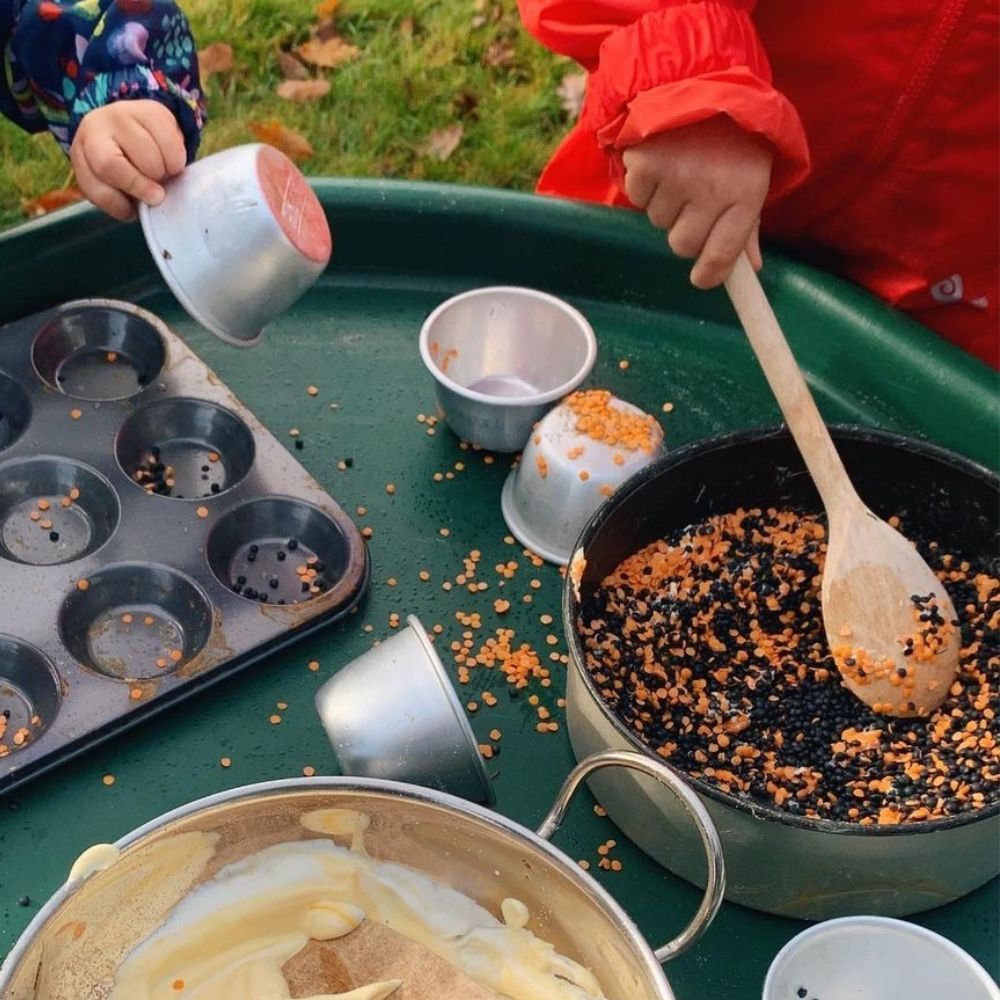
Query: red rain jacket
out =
(882, 115)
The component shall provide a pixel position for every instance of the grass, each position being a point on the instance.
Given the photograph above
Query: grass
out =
(424, 65)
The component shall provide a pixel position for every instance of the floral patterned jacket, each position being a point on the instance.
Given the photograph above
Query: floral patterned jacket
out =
(60, 59)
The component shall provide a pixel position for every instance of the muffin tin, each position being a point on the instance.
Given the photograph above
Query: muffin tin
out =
(116, 601)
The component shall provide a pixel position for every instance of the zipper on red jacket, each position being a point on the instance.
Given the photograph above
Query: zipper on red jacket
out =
(927, 61)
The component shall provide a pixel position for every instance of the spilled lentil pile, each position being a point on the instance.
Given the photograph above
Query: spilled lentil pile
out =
(709, 646)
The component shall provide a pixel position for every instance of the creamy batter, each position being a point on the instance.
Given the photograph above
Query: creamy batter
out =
(229, 937)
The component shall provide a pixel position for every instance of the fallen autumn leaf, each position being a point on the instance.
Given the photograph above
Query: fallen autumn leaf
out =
(329, 53)
(293, 144)
(50, 201)
(215, 58)
(442, 142)
(303, 91)
(291, 68)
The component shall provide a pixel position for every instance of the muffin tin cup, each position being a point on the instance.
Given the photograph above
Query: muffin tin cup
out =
(131, 607)
(136, 621)
(29, 696)
(204, 449)
(96, 352)
(54, 511)
(15, 411)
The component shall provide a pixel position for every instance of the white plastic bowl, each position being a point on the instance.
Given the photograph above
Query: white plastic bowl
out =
(875, 958)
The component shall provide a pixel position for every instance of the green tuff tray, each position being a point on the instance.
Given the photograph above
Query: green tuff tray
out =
(399, 250)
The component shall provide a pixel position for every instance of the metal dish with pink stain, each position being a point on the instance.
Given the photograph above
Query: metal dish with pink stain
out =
(239, 238)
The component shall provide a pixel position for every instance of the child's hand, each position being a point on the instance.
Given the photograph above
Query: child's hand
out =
(123, 152)
(705, 185)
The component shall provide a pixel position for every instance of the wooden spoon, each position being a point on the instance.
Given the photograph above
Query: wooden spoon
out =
(872, 572)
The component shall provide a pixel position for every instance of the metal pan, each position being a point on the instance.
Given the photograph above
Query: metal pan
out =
(779, 863)
(469, 848)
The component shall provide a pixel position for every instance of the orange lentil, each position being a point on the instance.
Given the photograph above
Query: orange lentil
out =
(76, 414)
(308, 770)
(202, 512)
(82, 584)
(312, 390)
(313, 665)
(108, 779)
(274, 719)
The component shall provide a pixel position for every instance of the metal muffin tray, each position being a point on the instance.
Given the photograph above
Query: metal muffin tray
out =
(154, 536)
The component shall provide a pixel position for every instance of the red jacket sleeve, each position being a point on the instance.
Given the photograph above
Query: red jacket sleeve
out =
(660, 64)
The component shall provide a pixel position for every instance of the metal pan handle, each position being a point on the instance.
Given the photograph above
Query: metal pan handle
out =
(716, 884)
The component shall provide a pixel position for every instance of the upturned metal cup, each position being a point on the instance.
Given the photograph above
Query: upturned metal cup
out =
(501, 358)
(563, 478)
(239, 238)
(877, 958)
(393, 714)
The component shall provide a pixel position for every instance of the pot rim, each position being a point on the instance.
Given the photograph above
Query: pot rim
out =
(672, 459)
(387, 789)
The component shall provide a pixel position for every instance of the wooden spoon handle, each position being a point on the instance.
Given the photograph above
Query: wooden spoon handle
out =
(789, 387)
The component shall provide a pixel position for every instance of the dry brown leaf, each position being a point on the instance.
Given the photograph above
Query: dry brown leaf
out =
(571, 93)
(33, 208)
(215, 58)
(442, 142)
(293, 144)
(329, 53)
(325, 9)
(291, 68)
(303, 91)
(500, 54)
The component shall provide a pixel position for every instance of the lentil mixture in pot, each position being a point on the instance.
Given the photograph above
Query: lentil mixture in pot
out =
(709, 646)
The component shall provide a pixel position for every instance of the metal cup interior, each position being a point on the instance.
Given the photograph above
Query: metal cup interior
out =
(53, 510)
(15, 411)
(278, 551)
(393, 714)
(186, 449)
(500, 357)
(98, 352)
(29, 694)
(877, 958)
(136, 622)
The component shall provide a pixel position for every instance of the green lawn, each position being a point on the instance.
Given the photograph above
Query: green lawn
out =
(424, 65)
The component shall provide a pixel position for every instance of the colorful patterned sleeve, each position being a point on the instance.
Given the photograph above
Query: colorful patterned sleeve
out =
(65, 58)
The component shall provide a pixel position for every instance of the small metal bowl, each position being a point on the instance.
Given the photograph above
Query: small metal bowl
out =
(563, 478)
(877, 958)
(501, 357)
(392, 714)
(239, 238)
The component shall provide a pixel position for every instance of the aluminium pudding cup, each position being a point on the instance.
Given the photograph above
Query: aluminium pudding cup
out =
(239, 238)
(501, 358)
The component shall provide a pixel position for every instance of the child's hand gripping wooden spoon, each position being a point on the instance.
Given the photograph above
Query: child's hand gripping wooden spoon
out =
(872, 573)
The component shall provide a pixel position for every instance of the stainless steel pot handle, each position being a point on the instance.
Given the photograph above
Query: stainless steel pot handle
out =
(716, 884)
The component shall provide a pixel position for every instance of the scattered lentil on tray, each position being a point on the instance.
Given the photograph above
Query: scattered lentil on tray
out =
(709, 646)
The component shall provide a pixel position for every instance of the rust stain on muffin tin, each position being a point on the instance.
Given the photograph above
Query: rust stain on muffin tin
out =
(157, 618)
